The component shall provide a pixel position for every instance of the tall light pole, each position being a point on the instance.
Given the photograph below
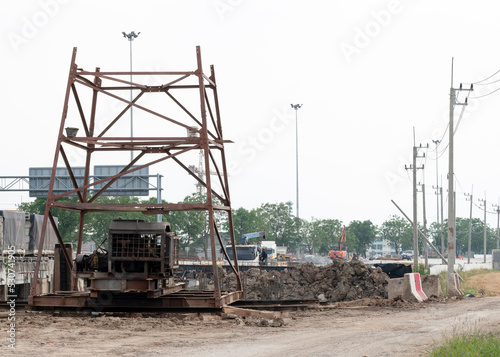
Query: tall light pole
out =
(297, 107)
(131, 37)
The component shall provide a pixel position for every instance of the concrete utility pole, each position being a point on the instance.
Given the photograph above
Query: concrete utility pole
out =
(450, 285)
(424, 243)
(450, 288)
(470, 226)
(297, 107)
(484, 224)
(437, 180)
(498, 222)
(414, 168)
(439, 192)
(131, 37)
(442, 218)
(483, 204)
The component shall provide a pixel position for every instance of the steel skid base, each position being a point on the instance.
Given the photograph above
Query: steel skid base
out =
(122, 301)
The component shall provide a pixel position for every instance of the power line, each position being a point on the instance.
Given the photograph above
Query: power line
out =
(482, 80)
(458, 123)
(481, 208)
(485, 84)
(487, 94)
(442, 137)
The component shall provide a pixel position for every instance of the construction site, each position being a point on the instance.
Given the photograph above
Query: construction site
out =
(135, 294)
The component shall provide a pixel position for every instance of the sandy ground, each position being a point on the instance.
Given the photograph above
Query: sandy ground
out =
(354, 331)
(346, 330)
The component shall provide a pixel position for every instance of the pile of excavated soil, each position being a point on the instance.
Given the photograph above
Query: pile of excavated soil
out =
(339, 281)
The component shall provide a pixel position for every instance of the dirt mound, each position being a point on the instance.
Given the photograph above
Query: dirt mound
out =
(338, 281)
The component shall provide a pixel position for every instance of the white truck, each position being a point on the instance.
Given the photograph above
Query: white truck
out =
(270, 247)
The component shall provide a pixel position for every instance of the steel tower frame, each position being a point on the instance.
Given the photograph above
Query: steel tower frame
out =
(209, 138)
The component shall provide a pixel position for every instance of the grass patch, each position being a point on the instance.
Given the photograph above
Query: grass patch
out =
(422, 269)
(466, 285)
(475, 344)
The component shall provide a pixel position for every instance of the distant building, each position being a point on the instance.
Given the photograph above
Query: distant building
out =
(381, 247)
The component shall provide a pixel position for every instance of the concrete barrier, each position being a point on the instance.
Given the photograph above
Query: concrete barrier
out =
(416, 286)
(428, 285)
(431, 285)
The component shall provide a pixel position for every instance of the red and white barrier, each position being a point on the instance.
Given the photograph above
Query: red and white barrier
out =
(416, 286)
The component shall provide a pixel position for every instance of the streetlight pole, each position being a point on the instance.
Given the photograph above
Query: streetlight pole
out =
(297, 107)
(131, 37)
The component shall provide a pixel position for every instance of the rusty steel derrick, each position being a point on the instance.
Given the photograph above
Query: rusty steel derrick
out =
(101, 135)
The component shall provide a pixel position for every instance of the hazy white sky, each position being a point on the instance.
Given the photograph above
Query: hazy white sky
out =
(366, 72)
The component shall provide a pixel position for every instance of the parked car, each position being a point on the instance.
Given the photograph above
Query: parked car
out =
(407, 255)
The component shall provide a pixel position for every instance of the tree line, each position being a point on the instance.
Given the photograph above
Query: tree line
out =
(315, 236)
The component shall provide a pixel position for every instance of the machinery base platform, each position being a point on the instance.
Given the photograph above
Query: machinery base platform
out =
(109, 301)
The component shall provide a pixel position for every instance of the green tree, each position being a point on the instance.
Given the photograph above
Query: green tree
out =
(434, 235)
(245, 222)
(308, 238)
(398, 232)
(365, 233)
(477, 236)
(325, 234)
(279, 224)
(191, 226)
(462, 236)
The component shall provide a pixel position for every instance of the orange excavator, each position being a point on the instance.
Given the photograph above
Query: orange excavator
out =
(341, 252)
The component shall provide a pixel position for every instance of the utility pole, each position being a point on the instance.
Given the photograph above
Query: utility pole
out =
(450, 284)
(498, 222)
(469, 198)
(439, 192)
(297, 107)
(414, 168)
(442, 217)
(424, 243)
(437, 180)
(483, 203)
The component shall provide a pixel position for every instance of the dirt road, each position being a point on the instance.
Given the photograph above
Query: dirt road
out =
(354, 331)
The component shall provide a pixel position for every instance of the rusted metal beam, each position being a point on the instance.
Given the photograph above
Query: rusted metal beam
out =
(130, 207)
(153, 88)
(119, 175)
(71, 174)
(134, 104)
(50, 197)
(80, 109)
(110, 182)
(60, 240)
(83, 73)
(192, 174)
(119, 115)
(189, 113)
(211, 115)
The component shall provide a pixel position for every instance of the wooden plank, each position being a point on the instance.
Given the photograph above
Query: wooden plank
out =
(367, 308)
(250, 313)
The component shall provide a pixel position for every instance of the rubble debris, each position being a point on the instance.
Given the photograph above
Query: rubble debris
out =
(338, 281)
